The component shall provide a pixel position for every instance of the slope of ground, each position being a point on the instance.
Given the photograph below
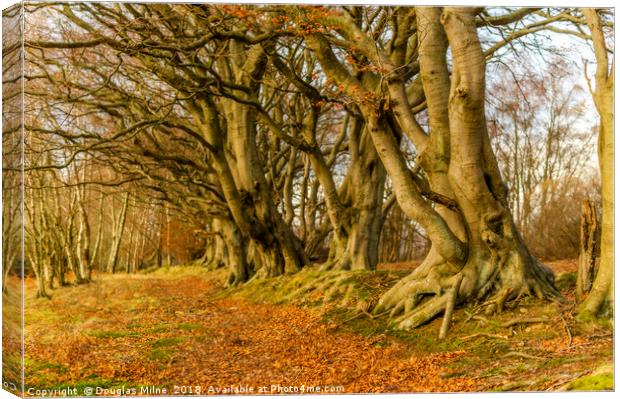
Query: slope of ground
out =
(178, 330)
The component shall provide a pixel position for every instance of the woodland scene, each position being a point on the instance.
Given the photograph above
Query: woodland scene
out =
(220, 199)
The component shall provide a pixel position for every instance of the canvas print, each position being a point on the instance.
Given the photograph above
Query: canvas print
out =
(224, 199)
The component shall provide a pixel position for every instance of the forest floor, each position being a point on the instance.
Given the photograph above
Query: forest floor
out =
(175, 331)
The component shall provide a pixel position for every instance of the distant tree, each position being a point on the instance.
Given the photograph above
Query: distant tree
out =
(540, 131)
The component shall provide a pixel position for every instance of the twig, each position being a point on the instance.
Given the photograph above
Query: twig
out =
(357, 314)
(375, 316)
(469, 316)
(570, 335)
(514, 322)
(482, 319)
(365, 313)
(501, 300)
(606, 335)
(563, 382)
(524, 355)
(484, 335)
(477, 309)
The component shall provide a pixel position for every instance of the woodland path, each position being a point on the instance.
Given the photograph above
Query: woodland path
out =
(146, 331)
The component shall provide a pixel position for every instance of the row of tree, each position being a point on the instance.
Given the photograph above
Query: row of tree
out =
(289, 135)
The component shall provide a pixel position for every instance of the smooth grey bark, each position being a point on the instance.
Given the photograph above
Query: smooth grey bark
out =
(117, 235)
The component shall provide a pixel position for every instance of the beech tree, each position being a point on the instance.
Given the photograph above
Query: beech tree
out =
(602, 295)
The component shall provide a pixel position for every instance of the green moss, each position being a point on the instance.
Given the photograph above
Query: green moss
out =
(460, 363)
(558, 361)
(41, 314)
(190, 326)
(313, 287)
(602, 379)
(174, 272)
(566, 281)
(493, 372)
(33, 366)
(160, 328)
(589, 322)
(161, 354)
(521, 368)
(454, 374)
(165, 342)
(599, 382)
(422, 339)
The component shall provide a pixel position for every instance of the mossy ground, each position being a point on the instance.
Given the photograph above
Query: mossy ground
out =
(601, 379)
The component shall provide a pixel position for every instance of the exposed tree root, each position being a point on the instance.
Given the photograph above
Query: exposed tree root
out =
(450, 307)
(337, 264)
(233, 280)
(436, 287)
(422, 295)
(531, 320)
(334, 285)
(485, 335)
(523, 355)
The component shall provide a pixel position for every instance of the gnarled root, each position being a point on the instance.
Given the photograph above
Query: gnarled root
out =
(331, 285)
(435, 288)
(425, 299)
(233, 280)
(428, 278)
(338, 264)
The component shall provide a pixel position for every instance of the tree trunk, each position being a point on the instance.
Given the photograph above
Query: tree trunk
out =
(83, 240)
(168, 249)
(587, 244)
(600, 299)
(356, 227)
(98, 238)
(216, 255)
(236, 257)
(41, 291)
(117, 236)
(366, 189)
(275, 250)
(249, 198)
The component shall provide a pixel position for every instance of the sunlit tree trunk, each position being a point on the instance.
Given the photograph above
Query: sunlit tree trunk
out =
(95, 259)
(601, 297)
(117, 236)
(83, 239)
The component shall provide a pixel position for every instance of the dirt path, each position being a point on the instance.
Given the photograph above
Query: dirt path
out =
(124, 333)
